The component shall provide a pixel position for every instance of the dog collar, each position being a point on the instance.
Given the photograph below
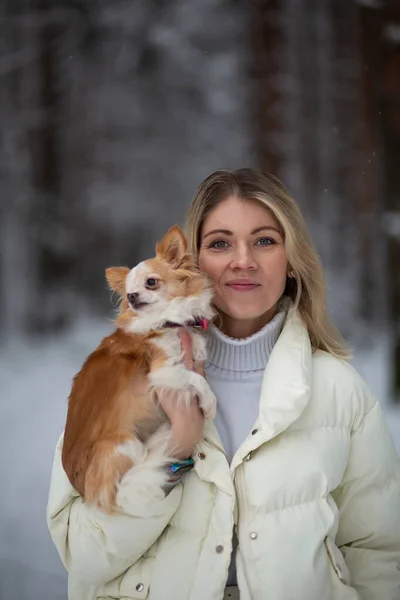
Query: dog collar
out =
(198, 322)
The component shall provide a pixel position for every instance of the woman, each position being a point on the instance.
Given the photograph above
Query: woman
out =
(295, 490)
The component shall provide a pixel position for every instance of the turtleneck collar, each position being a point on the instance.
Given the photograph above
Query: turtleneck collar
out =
(246, 354)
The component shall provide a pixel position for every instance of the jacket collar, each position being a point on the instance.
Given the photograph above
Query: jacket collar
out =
(285, 391)
(286, 386)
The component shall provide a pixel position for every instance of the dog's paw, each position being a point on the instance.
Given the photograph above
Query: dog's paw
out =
(208, 404)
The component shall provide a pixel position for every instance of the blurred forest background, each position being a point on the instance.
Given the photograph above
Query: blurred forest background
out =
(112, 112)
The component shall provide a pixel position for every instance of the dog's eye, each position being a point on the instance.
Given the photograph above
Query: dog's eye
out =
(151, 283)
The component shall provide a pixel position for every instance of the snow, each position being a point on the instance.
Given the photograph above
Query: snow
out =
(35, 381)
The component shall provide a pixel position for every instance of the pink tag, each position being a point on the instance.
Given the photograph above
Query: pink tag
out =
(204, 324)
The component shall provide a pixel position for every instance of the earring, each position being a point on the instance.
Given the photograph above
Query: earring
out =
(292, 274)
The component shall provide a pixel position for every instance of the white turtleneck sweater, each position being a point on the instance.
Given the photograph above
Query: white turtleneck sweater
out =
(235, 370)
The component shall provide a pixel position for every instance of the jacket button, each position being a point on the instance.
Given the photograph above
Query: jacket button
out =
(140, 587)
(201, 455)
(219, 549)
(253, 535)
(254, 432)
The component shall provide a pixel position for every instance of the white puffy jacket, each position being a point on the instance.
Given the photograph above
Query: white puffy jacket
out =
(314, 488)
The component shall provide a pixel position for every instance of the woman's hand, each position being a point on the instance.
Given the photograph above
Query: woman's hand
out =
(187, 423)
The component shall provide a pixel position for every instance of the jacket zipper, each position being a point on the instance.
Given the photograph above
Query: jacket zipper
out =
(240, 488)
(241, 509)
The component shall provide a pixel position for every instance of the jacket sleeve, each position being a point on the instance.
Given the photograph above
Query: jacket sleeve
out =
(95, 547)
(369, 508)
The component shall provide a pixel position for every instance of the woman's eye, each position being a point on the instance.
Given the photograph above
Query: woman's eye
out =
(151, 282)
(218, 244)
(266, 241)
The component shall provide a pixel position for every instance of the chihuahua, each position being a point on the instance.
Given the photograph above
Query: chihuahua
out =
(115, 422)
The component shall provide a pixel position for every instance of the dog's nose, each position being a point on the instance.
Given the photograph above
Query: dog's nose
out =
(132, 298)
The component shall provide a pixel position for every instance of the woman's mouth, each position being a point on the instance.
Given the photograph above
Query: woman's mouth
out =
(240, 286)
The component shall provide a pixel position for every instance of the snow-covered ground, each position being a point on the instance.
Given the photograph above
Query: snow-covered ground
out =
(35, 381)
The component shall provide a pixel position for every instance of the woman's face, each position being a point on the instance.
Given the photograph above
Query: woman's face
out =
(242, 251)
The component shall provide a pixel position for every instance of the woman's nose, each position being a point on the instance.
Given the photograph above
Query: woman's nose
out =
(243, 258)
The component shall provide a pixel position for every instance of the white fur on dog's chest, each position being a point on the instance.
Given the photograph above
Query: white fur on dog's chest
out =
(174, 375)
(170, 343)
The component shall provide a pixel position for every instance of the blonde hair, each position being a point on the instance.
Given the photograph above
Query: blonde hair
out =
(307, 289)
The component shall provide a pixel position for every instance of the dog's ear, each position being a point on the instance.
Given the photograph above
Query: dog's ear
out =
(116, 277)
(173, 246)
